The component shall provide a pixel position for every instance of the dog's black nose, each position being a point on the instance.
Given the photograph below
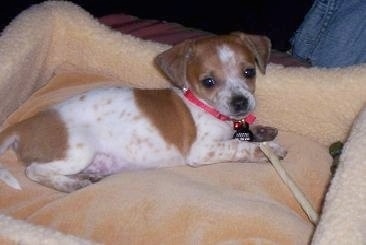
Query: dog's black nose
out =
(239, 104)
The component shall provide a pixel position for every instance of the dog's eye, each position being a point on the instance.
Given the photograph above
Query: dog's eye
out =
(249, 73)
(208, 82)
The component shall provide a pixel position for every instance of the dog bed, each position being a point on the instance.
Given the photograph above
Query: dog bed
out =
(55, 50)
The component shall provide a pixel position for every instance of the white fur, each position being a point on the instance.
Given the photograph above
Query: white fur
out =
(234, 81)
(108, 123)
(226, 54)
(107, 134)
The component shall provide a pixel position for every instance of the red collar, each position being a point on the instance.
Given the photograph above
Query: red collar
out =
(192, 98)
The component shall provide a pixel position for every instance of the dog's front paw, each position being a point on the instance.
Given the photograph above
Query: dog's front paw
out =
(263, 133)
(277, 149)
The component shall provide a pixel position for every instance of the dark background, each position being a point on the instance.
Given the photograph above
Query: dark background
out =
(278, 19)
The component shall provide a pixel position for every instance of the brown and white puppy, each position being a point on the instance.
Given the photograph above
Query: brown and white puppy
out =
(112, 129)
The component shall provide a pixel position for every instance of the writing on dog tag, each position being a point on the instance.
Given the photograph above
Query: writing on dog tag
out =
(242, 131)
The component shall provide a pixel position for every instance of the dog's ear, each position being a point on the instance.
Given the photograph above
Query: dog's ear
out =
(260, 46)
(173, 62)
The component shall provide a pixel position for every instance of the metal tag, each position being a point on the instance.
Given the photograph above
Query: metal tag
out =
(243, 136)
(243, 133)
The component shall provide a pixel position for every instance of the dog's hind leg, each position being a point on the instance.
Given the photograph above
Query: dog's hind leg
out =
(62, 174)
(56, 181)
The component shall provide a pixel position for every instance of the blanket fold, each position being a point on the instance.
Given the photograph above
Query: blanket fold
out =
(55, 50)
(344, 217)
(56, 34)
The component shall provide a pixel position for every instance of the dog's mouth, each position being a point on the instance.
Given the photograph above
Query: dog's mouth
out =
(239, 116)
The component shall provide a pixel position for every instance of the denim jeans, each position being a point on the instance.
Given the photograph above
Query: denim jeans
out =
(333, 34)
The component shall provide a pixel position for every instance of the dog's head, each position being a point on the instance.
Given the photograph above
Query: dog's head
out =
(220, 70)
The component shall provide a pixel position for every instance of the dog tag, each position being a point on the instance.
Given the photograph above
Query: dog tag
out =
(242, 131)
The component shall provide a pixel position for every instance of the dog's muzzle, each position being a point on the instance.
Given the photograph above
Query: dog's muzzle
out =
(239, 104)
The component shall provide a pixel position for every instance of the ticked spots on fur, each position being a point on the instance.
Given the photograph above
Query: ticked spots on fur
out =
(82, 97)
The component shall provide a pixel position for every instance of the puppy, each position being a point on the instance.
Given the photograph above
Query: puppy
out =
(113, 129)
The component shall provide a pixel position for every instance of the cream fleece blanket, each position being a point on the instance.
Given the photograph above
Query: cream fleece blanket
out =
(59, 44)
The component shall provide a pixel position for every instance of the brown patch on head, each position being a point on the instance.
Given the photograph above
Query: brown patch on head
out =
(260, 46)
(206, 64)
(41, 138)
(169, 115)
